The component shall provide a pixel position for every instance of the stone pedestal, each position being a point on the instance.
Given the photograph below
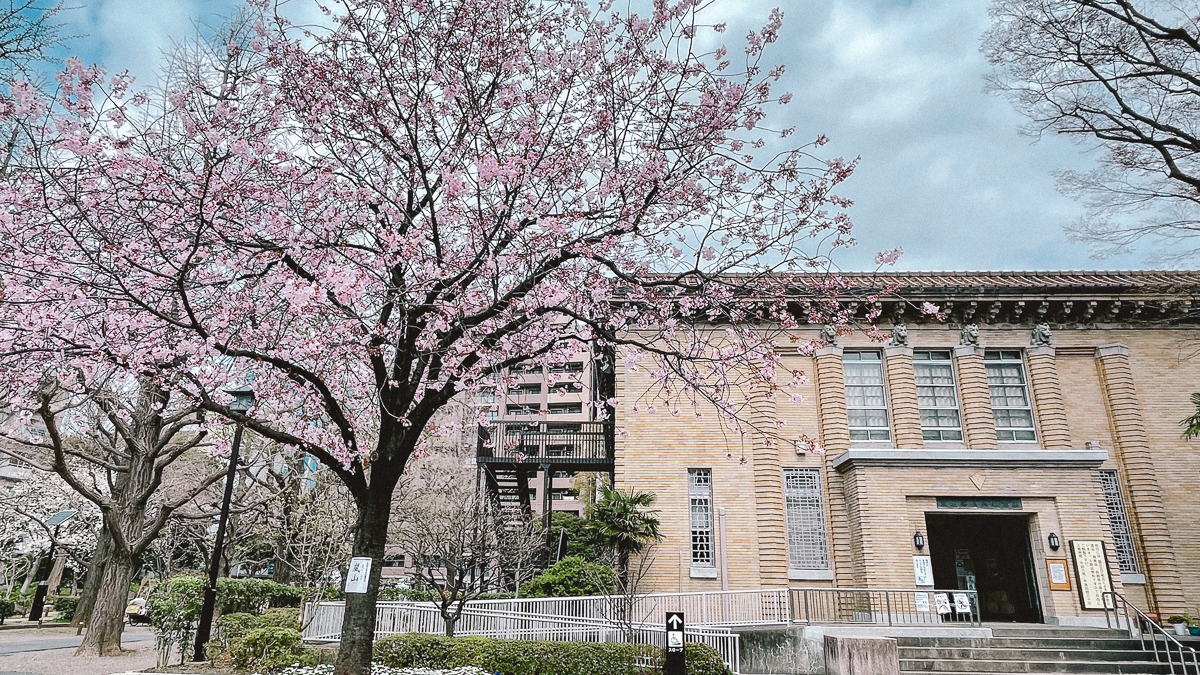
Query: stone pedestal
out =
(857, 655)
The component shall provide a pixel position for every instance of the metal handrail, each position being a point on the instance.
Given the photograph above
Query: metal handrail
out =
(879, 606)
(1187, 666)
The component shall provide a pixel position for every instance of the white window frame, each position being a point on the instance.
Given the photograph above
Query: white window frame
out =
(866, 434)
(1010, 358)
(807, 536)
(935, 359)
(700, 519)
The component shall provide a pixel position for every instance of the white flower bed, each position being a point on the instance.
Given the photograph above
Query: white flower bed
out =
(377, 669)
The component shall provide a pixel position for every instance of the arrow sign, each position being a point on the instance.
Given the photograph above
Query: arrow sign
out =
(673, 660)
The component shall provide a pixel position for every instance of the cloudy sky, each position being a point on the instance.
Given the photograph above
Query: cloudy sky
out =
(944, 171)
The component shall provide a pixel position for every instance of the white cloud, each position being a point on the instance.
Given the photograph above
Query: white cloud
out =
(944, 172)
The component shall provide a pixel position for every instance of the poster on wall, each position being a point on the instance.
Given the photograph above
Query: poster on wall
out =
(1056, 570)
(1091, 572)
(923, 570)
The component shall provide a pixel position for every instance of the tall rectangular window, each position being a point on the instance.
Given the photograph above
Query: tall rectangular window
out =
(700, 496)
(1118, 522)
(807, 545)
(1010, 396)
(936, 396)
(866, 402)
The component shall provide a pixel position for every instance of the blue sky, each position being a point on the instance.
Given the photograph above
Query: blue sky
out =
(944, 171)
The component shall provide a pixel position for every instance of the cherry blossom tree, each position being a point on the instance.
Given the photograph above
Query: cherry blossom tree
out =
(406, 203)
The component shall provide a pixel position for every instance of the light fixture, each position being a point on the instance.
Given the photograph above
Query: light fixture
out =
(243, 399)
(1053, 541)
(919, 541)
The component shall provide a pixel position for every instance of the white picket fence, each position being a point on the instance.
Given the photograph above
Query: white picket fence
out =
(324, 624)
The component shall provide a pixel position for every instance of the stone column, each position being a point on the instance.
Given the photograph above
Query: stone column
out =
(979, 424)
(1048, 399)
(902, 385)
(1134, 453)
(835, 437)
(768, 492)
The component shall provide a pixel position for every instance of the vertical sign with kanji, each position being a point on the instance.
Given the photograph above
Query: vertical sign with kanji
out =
(674, 662)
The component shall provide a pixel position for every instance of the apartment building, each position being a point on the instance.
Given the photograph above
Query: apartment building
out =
(1027, 446)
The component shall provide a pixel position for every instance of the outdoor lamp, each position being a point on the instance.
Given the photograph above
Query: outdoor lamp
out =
(243, 401)
(243, 398)
(919, 540)
(1053, 541)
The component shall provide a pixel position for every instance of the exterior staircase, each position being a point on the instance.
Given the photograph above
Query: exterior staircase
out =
(1037, 650)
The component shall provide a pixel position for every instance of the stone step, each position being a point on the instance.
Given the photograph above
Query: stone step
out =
(1017, 643)
(1022, 654)
(943, 666)
(1058, 632)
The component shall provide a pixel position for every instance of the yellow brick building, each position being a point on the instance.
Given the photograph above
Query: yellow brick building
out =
(1041, 414)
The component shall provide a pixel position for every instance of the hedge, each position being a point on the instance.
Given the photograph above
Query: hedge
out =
(527, 657)
(8, 607)
(65, 606)
(270, 649)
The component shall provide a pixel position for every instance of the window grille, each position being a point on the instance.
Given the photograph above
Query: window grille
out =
(936, 396)
(866, 402)
(1118, 522)
(700, 495)
(1010, 396)
(807, 546)
(566, 408)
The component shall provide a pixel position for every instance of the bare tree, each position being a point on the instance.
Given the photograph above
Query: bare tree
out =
(130, 431)
(1122, 76)
(440, 519)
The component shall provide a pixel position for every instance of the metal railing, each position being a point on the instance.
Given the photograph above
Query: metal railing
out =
(324, 624)
(884, 606)
(1163, 644)
(534, 441)
(705, 608)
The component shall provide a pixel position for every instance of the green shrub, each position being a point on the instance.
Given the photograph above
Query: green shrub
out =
(270, 649)
(571, 576)
(65, 606)
(701, 660)
(175, 605)
(507, 657)
(8, 607)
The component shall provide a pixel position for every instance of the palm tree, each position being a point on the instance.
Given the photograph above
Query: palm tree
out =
(621, 523)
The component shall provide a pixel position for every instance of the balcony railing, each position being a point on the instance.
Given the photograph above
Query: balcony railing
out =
(538, 442)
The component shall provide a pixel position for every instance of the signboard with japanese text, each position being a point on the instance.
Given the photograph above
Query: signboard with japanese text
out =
(358, 574)
(673, 660)
(1057, 569)
(1091, 572)
(923, 570)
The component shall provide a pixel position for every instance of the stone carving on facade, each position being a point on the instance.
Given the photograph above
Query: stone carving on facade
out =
(969, 336)
(900, 335)
(829, 335)
(1041, 335)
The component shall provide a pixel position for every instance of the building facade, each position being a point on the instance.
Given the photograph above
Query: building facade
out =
(1026, 439)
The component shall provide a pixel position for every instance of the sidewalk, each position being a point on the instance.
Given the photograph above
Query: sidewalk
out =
(49, 651)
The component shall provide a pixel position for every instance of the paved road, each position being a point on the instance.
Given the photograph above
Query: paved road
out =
(37, 644)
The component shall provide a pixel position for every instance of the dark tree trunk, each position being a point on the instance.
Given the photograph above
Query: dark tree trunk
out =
(91, 585)
(108, 617)
(370, 540)
(450, 622)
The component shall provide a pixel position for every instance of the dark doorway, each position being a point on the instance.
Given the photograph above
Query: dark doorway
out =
(991, 554)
